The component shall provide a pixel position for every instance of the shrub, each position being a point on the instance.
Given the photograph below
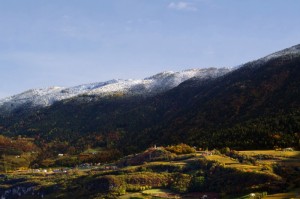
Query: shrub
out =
(181, 149)
(181, 183)
(137, 188)
(146, 179)
(108, 184)
(225, 150)
(198, 183)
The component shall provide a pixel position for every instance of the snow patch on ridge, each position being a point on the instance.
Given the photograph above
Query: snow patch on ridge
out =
(292, 51)
(149, 86)
(288, 53)
(145, 87)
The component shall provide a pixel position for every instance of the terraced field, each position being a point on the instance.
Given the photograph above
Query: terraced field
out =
(186, 176)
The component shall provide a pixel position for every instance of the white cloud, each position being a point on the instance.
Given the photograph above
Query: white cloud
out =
(182, 6)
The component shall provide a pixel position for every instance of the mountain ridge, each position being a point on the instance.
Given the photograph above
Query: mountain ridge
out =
(247, 108)
(148, 86)
(152, 85)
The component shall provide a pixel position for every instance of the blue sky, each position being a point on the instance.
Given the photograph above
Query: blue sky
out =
(70, 42)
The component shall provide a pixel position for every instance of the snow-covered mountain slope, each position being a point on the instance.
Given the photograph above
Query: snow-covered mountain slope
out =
(286, 54)
(290, 52)
(146, 87)
(149, 86)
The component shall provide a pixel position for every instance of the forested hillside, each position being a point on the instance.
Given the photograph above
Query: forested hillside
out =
(255, 106)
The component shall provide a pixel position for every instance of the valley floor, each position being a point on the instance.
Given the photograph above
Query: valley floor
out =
(203, 174)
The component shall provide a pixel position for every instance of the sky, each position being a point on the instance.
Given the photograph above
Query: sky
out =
(66, 43)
